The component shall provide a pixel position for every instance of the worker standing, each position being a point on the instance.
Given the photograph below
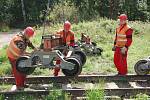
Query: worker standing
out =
(17, 48)
(123, 40)
(68, 39)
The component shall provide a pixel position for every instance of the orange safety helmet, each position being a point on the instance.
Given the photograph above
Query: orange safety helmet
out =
(123, 17)
(67, 26)
(29, 31)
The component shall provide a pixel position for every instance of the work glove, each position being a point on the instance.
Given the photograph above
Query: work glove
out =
(26, 54)
(123, 50)
(35, 49)
(114, 48)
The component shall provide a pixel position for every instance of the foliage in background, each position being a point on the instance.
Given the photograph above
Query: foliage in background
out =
(61, 12)
(74, 10)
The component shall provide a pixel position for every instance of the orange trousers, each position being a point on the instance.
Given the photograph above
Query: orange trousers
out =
(19, 77)
(56, 69)
(120, 61)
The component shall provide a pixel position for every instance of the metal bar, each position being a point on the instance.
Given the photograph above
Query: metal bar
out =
(80, 78)
(121, 92)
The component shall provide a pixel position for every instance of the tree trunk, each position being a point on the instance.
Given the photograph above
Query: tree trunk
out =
(23, 11)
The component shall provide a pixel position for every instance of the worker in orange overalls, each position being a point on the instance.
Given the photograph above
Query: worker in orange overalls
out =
(123, 40)
(68, 39)
(17, 48)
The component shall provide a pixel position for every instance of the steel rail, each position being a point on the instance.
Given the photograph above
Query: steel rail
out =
(121, 92)
(80, 78)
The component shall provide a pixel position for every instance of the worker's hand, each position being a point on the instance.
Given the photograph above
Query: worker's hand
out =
(26, 54)
(35, 49)
(70, 48)
(114, 48)
(123, 50)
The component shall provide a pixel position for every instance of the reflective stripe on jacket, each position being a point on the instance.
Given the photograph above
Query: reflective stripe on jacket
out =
(121, 37)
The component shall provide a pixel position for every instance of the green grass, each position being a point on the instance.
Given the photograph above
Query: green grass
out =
(141, 96)
(3, 57)
(97, 93)
(5, 68)
(4, 28)
(1, 97)
(5, 87)
(57, 95)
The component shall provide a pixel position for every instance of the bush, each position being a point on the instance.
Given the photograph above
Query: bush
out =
(62, 11)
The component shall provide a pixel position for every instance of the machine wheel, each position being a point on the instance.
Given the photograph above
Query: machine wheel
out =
(78, 58)
(77, 69)
(25, 70)
(138, 67)
(82, 56)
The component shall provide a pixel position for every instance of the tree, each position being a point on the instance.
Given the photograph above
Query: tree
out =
(23, 11)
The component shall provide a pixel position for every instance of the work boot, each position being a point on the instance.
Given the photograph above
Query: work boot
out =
(15, 88)
(119, 74)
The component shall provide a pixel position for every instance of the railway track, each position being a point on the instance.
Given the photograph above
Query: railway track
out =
(122, 86)
(80, 78)
(121, 92)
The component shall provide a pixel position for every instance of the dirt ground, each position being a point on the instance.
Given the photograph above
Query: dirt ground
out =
(5, 37)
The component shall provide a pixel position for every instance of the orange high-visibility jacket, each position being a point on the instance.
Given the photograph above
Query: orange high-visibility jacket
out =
(13, 51)
(68, 38)
(121, 37)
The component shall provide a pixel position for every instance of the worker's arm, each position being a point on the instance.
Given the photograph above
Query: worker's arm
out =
(115, 38)
(129, 37)
(114, 48)
(60, 32)
(30, 44)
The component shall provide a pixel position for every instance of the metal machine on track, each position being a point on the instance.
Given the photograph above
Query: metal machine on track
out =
(51, 50)
(89, 47)
(142, 67)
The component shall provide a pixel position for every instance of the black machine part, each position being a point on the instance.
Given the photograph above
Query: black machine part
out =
(99, 51)
(142, 67)
(77, 69)
(24, 70)
(81, 55)
(76, 52)
(91, 49)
